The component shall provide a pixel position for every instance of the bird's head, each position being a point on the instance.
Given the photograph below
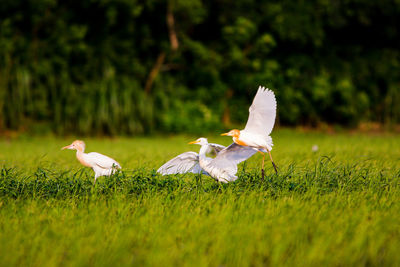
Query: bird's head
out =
(77, 145)
(201, 141)
(234, 133)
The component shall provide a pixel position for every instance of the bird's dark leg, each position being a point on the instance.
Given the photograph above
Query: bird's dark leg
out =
(273, 163)
(262, 168)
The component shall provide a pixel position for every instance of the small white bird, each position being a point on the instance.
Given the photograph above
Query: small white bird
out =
(101, 164)
(222, 168)
(261, 121)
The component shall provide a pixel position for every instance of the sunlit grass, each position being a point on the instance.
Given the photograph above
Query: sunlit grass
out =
(336, 206)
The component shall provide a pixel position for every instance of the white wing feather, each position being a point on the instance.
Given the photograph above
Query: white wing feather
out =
(233, 155)
(262, 112)
(224, 166)
(102, 161)
(183, 163)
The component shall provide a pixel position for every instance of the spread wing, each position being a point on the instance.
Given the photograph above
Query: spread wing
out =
(183, 163)
(230, 157)
(102, 161)
(262, 112)
(214, 148)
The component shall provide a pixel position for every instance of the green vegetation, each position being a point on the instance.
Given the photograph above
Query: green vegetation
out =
(118, 67)
(338, 206)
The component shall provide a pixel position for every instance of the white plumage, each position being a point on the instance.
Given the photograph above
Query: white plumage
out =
(189, 161)
(102, 165)
(183, 163)
(262, 113)
(222, 168)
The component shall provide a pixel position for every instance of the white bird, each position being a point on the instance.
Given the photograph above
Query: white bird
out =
(222, 168)
(101, 164)
(189, 161)
(259, 125)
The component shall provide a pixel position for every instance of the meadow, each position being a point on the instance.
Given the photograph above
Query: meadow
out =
(337, 206)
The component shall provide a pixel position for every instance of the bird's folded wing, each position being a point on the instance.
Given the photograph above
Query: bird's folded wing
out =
(262, 112)
(230, 157)
(214, 148)
(183, 163)
(102, 161)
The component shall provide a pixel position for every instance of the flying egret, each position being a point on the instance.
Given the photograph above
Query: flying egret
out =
(259, 125)
(222, 168)
(101, 164)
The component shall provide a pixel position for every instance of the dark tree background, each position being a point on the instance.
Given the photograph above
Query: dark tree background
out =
(133, 67)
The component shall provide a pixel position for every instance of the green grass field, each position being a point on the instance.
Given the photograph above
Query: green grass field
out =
(338, 206)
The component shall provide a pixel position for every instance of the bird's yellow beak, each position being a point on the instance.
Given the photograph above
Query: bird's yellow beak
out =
(67, 147)
(193, 142)
(225, 134)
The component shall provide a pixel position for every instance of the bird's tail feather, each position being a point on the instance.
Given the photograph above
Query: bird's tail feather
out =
(269, 143)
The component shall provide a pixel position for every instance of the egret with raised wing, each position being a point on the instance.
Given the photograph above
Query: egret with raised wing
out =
(188, 162)
(222, 168)
(101, 164)
(259, 125)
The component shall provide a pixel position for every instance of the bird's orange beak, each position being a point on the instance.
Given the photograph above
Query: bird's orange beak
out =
(67, 147)
(225, 134)
(193, 142)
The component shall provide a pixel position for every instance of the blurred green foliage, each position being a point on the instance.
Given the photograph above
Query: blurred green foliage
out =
(82, 66)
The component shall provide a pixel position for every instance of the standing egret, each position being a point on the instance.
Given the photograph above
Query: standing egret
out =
(259, 125)
(222, 168)
(101, 164)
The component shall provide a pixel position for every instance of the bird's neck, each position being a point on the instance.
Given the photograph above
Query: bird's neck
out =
(239, 142)
(80, 157)
(203, 151)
